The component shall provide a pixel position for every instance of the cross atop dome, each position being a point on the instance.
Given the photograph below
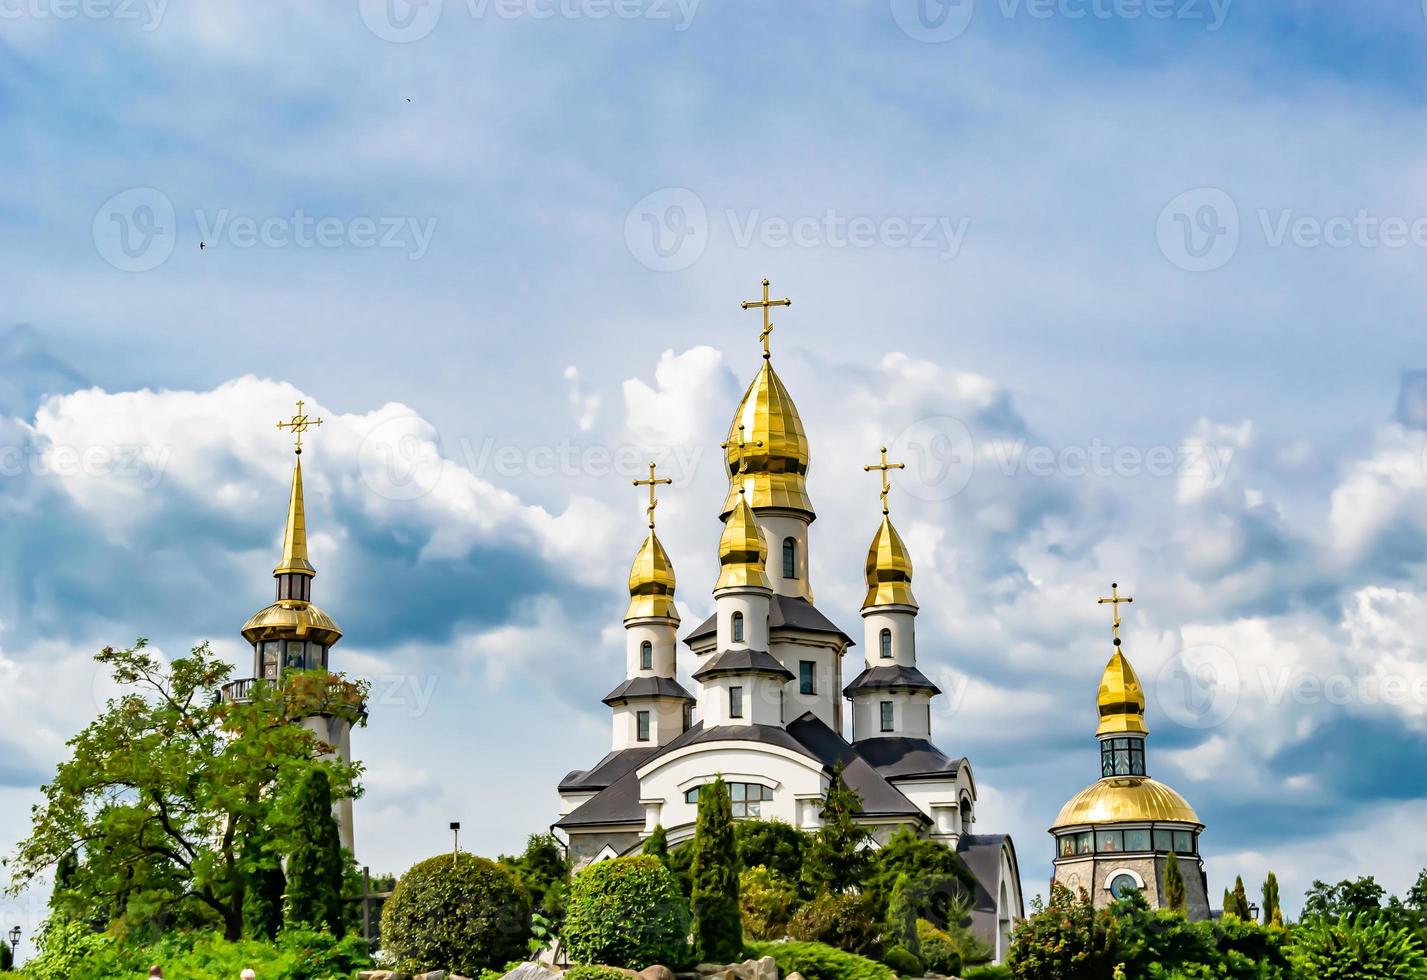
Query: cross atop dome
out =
(766, 305)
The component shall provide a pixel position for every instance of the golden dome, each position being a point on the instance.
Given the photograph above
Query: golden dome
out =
(741, 552)
(1121, 702)
(291, 619)
(1121, 799)
(775, 452)
(294, 538)
(889, 569)
(651, 582)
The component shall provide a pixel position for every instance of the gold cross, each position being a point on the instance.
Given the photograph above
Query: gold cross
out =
(299, 424)
(884, 466)
(766, 305)
(740, 449)
(651, 483)
(1114, 601)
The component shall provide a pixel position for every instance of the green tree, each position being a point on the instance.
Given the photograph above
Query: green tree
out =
(1230, 909)
(7, 958)
(1272, 908)
(1369, 948)
(718, 926)
(1067, 940)
(456, 912)
(1241, 900)
(767, 901)
(656, 845)
(1346, 899)
(544, 870)
(264, 884)
(314, 865)
(772, 844)
(902, 916)
(838, 859)
(1174, 895)
(938, 881)
(158, 787)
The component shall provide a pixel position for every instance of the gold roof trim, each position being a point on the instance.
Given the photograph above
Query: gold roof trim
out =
(1124, 799)
(289, 619)
(742, 554)
(889, 569)
(294, 538)
(772, 466)
(651, 582)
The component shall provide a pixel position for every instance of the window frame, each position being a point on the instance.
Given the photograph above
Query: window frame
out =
(807, 677)
(790, 558)
(884, 644)
(735, 701)
(735, 628)
(887, 715)
(642, 726)
(646, 655)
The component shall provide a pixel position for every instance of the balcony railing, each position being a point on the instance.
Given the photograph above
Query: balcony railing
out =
(336, 693)
(239, 690)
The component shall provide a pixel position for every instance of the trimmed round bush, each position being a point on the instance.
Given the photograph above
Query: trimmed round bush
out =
(588, 972)
(903, 961)
(627, 912)
(460, 913)
(844, 921)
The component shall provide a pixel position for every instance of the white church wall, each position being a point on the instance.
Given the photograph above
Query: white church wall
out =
(662, 636)
(901, 621)
(761, 700)
(793, 778)
(911, 717)
(753, 606)
(666, 722)
(776, 528)
(939, 799)
(826, 701)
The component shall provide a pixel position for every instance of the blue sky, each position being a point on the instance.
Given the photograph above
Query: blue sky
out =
(1158, 276)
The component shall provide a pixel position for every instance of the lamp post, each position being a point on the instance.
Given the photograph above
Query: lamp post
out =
(455, 841)
(14, 937)
(1253, 912)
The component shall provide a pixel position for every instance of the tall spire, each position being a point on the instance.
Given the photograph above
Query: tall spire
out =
(294, 539)
(651, 577)
(889, 564)
(1120, 703)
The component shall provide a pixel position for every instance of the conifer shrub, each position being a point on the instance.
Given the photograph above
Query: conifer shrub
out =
(593, 972)
(940, 953)
(904, 961)
(768, 901)
(845, 921)
(627, 912)
(718, 921)
(819, 961)
(456, 912)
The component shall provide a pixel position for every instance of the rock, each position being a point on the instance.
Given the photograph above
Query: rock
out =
(705, 969)
(656, 972)
(794, 976)
(764, 969)
(431, 975)
(530, 971)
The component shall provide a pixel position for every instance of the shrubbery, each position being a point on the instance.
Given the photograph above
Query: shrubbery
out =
(768, 901)
(626, 912)
(592, 972)
(903, 961)
(1356, 950)
(939, 951)
(845, 921)
(818, 961)
(456, 912)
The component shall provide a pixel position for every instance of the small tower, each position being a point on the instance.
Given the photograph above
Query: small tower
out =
(891, 698)
(741, 683)
(1115, 835)
(650, 708)
(293, 634)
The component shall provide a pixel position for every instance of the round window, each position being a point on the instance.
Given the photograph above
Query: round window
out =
(1122, 884)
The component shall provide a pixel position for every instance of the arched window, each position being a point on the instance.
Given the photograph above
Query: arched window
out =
(790, 558)
(736, 627)
(646, 656)
(885, 643)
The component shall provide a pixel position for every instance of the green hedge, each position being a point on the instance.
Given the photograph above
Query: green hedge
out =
(818, 961)
(456, 912)
(903, 961)
(627, 912)
(586, 972)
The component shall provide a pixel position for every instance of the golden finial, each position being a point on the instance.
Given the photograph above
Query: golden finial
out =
(766, 305)
(1114, 601)
(740, 452)
(884, 466)
(299, 424)
(651, 483)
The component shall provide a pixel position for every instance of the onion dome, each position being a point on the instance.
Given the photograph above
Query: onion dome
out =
(1121, 702)
(889, 569)
(294, 538)
(1125, 798)
(292, 619)
(742, 555)
(651, 582)
(772, 464)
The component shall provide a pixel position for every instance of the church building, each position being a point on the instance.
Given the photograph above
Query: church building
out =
(767, 712)
(1115, 836)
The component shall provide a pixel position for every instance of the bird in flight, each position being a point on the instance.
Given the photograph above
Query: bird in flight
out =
(201, 246)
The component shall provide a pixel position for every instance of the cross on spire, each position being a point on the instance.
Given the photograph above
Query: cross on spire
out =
(884, 466)
(651, 483)
(766, 305)
(299, 424)
(740, 453)
(1114, 601)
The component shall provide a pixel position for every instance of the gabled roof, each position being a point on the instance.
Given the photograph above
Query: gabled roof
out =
(742, 662)
(907, 758)
(608, 769)
(981, 853)
(648, 687)
(617, 803)
(893, 675)
(879, 797)
(784, 612)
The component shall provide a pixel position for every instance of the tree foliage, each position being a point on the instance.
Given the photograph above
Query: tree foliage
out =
(656, 845)
(314, 866)
(160, 789)
(543, 869)
(1347, 899)
(767, 901)
(627, 912)
(838, 859)
(1272, 907)
(1066, 941)
(1369, 948)
(1174, 893)
(773, 844)
(845, 920)
(718, 925)
(456, 912)
(938, 881)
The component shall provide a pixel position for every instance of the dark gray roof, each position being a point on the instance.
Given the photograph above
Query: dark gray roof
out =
(981, 853)
(608, 770)
(648, 687)
(907, 758)
(617, 803)
(742, 662)
(879, 797)
(792, 612)
(891, 676)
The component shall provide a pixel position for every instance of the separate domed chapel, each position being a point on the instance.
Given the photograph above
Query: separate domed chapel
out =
(770, 711)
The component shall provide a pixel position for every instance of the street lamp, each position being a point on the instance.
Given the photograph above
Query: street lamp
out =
(14, 937)
(455, 841)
